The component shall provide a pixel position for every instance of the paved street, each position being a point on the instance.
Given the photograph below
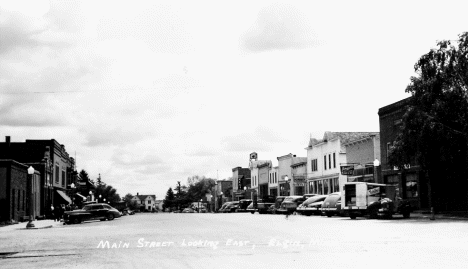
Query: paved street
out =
(244, 240)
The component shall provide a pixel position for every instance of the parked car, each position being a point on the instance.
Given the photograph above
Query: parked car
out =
(230, 207)
(251, 208)
(188, 210)
(332, 205)
(243, 204)
(312, 205)
(91, 212)
(289, 204)
(274, 208)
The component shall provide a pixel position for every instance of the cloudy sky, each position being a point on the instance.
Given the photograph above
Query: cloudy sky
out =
(149, 93)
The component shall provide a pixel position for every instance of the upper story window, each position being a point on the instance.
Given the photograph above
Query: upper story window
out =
(325, 162)
(329, 161)
(334, 160)
(313, 165)
(57, 174)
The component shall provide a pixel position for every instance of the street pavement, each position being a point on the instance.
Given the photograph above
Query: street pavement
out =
(238, 240)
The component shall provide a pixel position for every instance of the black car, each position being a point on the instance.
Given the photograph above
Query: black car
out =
(332, 205)
(91, 212)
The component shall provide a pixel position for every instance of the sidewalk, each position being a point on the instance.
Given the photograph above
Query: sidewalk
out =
(443, 215)
(38, 224)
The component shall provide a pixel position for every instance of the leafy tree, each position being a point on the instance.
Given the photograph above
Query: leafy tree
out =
(435, 126)
(107, 192)
(170, 199)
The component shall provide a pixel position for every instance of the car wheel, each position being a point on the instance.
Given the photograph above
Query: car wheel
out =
(76, 221)
(406, 215)
(252, 212)
(110, 217)
(329, 215)
(352, 216)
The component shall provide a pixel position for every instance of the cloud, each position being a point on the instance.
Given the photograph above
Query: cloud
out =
(279, 27)
(261, 139)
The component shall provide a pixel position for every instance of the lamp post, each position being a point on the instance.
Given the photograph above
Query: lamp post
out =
(99, 198)
(199, 206)
(31, 204)
(377, 171)
(72, 187)
(215, 197)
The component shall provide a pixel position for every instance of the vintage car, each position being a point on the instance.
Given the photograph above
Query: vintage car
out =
(229, 207)
(188, 210)
(289, 204)
(243, 204)
(311, 206)
(91, 212)
(274, 208)
(374, 200)
(332, 205)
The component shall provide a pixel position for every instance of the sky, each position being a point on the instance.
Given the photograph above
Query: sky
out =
(148, 93)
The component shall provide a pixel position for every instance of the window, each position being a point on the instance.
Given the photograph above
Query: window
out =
(334, 160)
(329, 161)
(319, 186)
(63, 178)
(313, 165)
(325, 162)
(57, 174)
(388, 149)
(336, 184)
(149, 201)
(325, 186)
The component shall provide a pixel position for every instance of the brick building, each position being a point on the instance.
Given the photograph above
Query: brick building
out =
(411, 180)
(17, 190)
(51, 160)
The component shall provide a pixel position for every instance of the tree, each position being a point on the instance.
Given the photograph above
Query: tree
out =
(435, 126)
(84, 176)
(170, 199)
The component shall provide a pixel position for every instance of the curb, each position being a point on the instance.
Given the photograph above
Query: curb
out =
(36, 228)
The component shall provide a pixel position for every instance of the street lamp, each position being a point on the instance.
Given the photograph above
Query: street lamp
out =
(31, 204)
(216, 197)
(72, 187)
(377, 171)
(100, 198)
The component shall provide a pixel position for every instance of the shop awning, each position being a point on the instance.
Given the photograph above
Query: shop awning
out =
(64, 196)
(80, 195)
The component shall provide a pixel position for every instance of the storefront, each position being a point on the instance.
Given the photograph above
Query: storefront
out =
(324, 185)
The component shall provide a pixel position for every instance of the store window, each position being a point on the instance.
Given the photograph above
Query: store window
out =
(411, 186)
(326, 186)
(319, 186)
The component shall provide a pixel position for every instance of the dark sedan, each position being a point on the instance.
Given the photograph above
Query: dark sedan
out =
(91, 212)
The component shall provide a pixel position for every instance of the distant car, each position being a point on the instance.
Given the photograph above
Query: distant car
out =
(230, 207)
(91, 212)
(188, 210)
(332, 205)
(290, 204)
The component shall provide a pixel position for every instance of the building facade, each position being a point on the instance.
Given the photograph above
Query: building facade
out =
(411, 181)
(361, 155)
(324, 160)
(241, 182)
(273, 182)
(51, 160)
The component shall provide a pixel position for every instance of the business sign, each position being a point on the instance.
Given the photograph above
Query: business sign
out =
(373, 191)
(347, 170)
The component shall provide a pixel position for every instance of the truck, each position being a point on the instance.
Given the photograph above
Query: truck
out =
(373, 200)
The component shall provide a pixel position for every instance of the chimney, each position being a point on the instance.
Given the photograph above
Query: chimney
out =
(137, 194)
